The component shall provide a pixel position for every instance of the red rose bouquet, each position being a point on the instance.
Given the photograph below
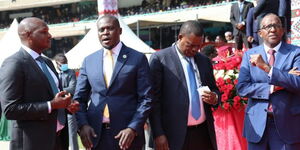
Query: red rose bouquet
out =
(226, 74)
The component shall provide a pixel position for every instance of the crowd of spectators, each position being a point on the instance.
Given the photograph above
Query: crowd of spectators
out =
(151, 6)
(88, 10)
(55, 14)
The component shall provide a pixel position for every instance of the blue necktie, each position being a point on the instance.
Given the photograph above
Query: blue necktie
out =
(61, 112)
(241, 12)
(195, 103)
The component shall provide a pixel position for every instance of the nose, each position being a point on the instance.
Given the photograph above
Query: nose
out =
(49, 36)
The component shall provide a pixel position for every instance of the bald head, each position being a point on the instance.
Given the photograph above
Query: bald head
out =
(28, 25)
(34, 33)
(191, 27)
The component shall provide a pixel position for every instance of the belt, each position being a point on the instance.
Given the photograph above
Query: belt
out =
(201, 125)
(105, 125)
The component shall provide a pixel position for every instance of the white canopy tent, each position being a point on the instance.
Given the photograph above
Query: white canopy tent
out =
(10, 43)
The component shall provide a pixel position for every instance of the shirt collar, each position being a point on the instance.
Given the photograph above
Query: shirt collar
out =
(116, 50)
(276, 48)
(31, 52)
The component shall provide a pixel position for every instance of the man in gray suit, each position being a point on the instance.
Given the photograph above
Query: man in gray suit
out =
(30, 92)
(238, 19)
(68, 79)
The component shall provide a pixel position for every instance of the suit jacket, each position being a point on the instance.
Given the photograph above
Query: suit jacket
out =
(68, 80)
(170, 113)
(128, 96)
(24, 93)
(235, 15)
(251, 27)
(255, 84)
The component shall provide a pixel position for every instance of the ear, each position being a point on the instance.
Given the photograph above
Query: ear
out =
(120, 31)
(180, 36)
(259, 32)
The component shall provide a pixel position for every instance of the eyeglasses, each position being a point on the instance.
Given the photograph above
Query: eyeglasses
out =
(270, 26)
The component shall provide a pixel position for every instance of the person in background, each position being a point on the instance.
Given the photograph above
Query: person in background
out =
(68, 81)
(184, 92)
(252, 28)
(266, 77)
(220, 39)
(229, 37)
(209, 51)
(30, 93)
(238, 15)
(115, 93)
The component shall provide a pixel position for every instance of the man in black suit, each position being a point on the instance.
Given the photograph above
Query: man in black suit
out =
(238, 17)
(29, 93)
(182, 118)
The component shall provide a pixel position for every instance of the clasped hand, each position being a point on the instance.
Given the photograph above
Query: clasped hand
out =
(64, 101)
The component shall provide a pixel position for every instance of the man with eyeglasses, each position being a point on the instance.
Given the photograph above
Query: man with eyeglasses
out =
(272, 116)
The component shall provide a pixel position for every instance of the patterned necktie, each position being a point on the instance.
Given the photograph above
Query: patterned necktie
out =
(272, 57)
(60, 112)
(271, 63)
(109, 65)
(195, 103)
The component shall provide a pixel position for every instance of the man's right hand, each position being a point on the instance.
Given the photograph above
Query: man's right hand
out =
(161, 143)
(86, 134)
(61, 100)
(250, 39)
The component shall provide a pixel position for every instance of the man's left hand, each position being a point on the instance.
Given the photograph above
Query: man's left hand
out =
(73, 107)
(126, 137)
(209, 97)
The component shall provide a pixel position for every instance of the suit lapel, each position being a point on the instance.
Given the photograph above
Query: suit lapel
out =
(100, 66)
(178, 71)
(29, 60)
(281, 55)
(121, 60)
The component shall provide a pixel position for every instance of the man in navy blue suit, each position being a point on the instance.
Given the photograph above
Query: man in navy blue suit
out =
(114, 92)
(272, 116)
(182, 117)
(251, 29)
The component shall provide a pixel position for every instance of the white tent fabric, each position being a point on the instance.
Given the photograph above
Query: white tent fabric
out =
(10, 43)
(90, 43)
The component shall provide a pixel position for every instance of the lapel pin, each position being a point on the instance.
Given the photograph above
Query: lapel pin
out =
(124, 56)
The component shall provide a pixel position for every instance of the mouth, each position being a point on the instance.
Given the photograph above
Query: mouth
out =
(106, 40)
(272, 36)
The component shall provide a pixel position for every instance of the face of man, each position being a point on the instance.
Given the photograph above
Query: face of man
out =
(189, 44)
(228, 37)
(109, 33)
(39, 38)
(271, 30)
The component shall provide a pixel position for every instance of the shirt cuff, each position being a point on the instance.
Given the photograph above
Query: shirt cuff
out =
(270, 72)
(49, 107)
